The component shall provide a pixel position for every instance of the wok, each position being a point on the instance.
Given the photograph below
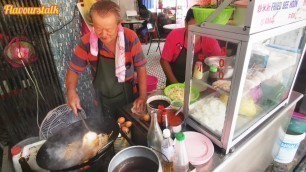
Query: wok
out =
(48, 154)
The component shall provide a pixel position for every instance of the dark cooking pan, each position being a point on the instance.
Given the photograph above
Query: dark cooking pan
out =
(48, 155)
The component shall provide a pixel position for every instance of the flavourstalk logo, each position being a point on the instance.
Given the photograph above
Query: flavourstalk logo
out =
(9, 9)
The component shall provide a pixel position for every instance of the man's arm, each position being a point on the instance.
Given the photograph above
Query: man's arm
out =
(142, 81)
(168, 71)
(71, 83)
(140, 102)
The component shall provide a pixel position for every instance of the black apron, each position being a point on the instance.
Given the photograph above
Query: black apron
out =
(179, 66)
(111, 94)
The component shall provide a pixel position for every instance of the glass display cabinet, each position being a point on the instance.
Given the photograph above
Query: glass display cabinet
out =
(241, 89)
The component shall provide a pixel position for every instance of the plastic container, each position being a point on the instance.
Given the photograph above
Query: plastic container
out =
(302, 108)
(151, 83)
(201, 14)
(16, 154)
(288, 147)
(297, 123)
(240, 12)
(213, 74)
(180, 157)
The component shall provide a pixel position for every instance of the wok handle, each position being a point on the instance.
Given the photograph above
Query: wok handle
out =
(126, 137)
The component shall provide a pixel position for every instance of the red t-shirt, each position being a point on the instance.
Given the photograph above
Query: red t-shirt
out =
(174, 42)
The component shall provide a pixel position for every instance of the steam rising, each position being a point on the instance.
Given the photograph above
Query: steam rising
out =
(75, 138)
(72, 150)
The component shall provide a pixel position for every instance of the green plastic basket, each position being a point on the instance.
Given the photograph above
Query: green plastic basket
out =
(201, 14)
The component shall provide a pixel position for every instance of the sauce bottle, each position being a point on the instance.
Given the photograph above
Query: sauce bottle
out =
(167, 150)
(180, 157)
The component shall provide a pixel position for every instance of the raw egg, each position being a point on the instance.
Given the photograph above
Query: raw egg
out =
(128, 124)
(121, 120)
(146, 117)
(125, 129)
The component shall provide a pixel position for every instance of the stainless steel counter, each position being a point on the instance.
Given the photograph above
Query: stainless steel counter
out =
(255, 153)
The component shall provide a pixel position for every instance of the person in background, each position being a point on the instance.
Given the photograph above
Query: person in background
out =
(163, 19)
(114, 53)
(146, 15)
(173, 58)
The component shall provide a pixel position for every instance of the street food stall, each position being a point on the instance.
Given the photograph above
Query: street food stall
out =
(234, 109)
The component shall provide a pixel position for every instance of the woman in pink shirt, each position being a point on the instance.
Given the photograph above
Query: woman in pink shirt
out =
(174, 55)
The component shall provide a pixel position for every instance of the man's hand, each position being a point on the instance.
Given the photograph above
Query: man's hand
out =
(73, 101)
(140, 104)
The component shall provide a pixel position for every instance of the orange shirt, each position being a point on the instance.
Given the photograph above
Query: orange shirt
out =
(134, 57)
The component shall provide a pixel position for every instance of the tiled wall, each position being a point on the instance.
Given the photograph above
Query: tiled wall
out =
(63, 42)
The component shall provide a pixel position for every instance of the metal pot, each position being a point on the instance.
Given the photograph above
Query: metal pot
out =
(132, 157)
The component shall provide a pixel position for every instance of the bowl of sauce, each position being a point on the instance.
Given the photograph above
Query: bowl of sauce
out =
(174, 122)
(158, 100)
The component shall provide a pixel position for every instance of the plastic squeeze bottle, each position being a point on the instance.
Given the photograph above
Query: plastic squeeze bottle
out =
(167, 150)
(180, 157)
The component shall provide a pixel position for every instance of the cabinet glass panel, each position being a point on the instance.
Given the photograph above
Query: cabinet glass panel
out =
(212, 71)
(269, 77)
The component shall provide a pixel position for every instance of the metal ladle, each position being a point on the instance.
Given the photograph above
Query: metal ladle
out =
(178, 111)
(82, 118)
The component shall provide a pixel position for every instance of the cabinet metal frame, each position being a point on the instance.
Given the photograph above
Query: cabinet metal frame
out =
(245, 44)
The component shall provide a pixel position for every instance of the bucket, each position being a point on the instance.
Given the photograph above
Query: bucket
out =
(297, 123)
(288, 147)
(151, 83)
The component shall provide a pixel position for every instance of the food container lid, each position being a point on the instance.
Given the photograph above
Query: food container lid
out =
(200, 148)
(15, 150)
(299, 115)
(213, 69)
(166, 133)
(180, 136)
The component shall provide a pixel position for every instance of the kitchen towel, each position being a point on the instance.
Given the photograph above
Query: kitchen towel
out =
(119, 54)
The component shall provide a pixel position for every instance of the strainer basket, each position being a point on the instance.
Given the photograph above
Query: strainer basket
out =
(57, 119)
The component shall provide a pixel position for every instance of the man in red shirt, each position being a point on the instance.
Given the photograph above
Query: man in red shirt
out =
(173, 59)
(111, 93)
